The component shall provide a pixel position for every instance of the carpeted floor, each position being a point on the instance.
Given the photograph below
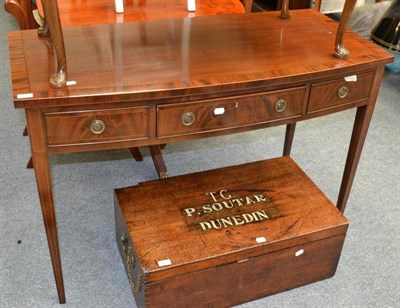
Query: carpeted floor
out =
(369, 269)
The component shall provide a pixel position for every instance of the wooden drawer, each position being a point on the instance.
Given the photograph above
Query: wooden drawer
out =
(96, 126)
(339, 92)
(206, 116)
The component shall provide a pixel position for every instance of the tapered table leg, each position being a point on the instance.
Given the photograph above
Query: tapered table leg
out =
(158, 161)
(136, 154)
(360, 129)
(52, 19)
(340, 51)
(287, 147)
(29, 164)
(43, 179)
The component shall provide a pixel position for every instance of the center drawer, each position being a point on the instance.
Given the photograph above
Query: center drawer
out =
(208, 115)
(96, 126)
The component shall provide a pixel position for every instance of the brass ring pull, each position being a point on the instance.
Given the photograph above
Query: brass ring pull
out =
(130, 262)
(97, 127)
(135, 287)
(280, 105)
(343, 91)
(188, 118)
(127, 252)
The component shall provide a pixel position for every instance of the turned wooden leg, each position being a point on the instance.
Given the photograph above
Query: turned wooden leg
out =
(158, 161)
(22, 11)
(247, 5)
(317, 5)
(285, 13)
(43, 181)
(340, 51)
(360, 129)
(290, 129)
(52, 18)
(136, 154)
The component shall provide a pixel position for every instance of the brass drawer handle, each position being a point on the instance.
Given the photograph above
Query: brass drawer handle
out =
(97, 127)
(343, 91)
(188, 118)
(280, 105)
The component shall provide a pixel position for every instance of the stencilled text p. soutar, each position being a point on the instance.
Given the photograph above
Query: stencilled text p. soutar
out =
(223, 201)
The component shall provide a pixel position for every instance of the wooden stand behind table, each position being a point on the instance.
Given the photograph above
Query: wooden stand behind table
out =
(93, 12)
(89, 12)
(159, 82)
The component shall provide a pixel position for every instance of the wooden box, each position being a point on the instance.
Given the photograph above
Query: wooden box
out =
(226, 236)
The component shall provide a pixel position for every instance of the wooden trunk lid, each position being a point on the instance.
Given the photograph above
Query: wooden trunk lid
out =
(206, 219)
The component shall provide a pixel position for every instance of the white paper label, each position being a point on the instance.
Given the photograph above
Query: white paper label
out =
(165, 262)
(25, 95)
(120, 18)
(299, 252)
(191, 5)
(119, 6)
(352, 78)
(71, 82)
(261, 239)
(219, 110)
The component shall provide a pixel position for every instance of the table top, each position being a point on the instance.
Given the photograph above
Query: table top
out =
(91, 12)
(171, 57)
